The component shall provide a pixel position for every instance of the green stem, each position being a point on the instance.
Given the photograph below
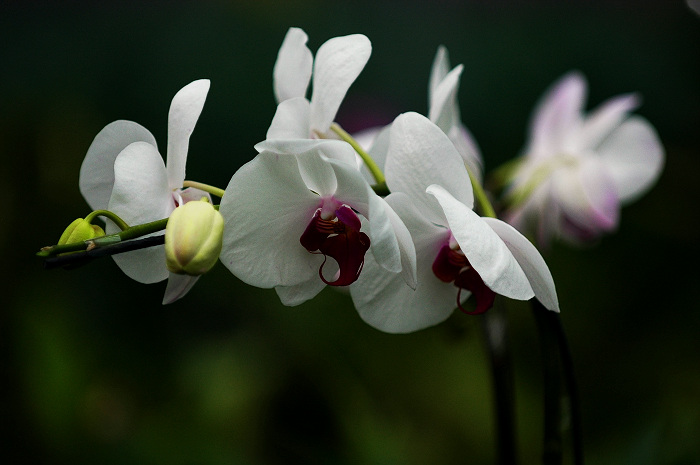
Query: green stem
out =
(108, 214)
(103, 241)
(204, 187)
(369, 162)
(481, 197)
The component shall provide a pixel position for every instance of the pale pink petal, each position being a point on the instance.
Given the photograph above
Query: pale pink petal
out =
(266, 209)
(634, 157)
(484, 249)
(557, 116)
(291, 120)
(97, 170)
(184, 112)
(292, 71)
(588, 199)
(600, 123)
(420, 154)
(530, 260)
(386, 302)
(178, 286)
(338, 63)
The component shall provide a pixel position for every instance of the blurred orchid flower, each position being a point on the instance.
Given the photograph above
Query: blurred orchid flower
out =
(577, 169)
(123, 172)
(296, 204)
(458, 253)
(338, 63)
(443, 110)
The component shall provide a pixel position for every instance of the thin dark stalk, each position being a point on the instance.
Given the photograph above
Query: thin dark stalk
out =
(558, 366)
(553, 451)
(495, 328)
(76, 259)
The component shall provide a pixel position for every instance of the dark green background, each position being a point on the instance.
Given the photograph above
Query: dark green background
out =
(95, 370)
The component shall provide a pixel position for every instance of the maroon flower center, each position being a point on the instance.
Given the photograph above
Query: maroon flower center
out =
(451, 265)
(339, 238)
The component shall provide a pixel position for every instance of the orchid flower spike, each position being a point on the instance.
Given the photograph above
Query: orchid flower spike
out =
(578, 170)
(458, 253)
(338, 63)
(300, 216)
(443, 110)
(123, 172)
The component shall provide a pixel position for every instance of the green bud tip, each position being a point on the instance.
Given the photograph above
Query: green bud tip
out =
(80, 230)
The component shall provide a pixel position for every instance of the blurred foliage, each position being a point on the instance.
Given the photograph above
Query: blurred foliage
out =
(97, 371)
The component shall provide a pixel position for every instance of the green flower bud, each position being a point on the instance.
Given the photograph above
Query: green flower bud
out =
(193, 238)
(80, 230)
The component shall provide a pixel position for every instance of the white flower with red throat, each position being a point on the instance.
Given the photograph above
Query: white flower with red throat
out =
(123, 172)
(458, 253)
(338, 63)
(294, 221)
(578, 170)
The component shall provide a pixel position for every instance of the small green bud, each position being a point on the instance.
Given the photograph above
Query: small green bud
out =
(193, 238)
(80, 230)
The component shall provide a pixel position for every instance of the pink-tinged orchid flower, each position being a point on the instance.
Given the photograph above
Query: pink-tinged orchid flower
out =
(577, 169)
(300, 216)
(338, 63)
(443, 110)
(458, 253)
(123, 172)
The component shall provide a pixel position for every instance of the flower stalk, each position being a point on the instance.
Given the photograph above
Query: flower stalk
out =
(366, 158)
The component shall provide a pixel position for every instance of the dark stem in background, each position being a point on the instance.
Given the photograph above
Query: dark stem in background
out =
(495, 328)
(557, 361)
(76, 259)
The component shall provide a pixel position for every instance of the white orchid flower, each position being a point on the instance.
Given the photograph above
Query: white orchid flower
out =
(299, 203)
(338, 63)
(458, 253)
(123, 172)
(443, 110)
(578, 169)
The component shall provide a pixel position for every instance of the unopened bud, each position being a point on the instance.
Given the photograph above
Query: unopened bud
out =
(193, 238)
(80, 230)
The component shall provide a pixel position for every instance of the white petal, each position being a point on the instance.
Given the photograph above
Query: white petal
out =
(178, 286)
(141, 195)
(383, 299)
(298, 294)
(443, 106)
(601, 122)
(266, 209)
(467, 147)
(97, 170)
(292, 71)
(334, 149)
(483, 248)
(557, 116)
(530, 260)
(291, 120)
(420, 154)
(338, 63)
(392, 245)
(634, 157)
(440, 68)
(184, 112)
